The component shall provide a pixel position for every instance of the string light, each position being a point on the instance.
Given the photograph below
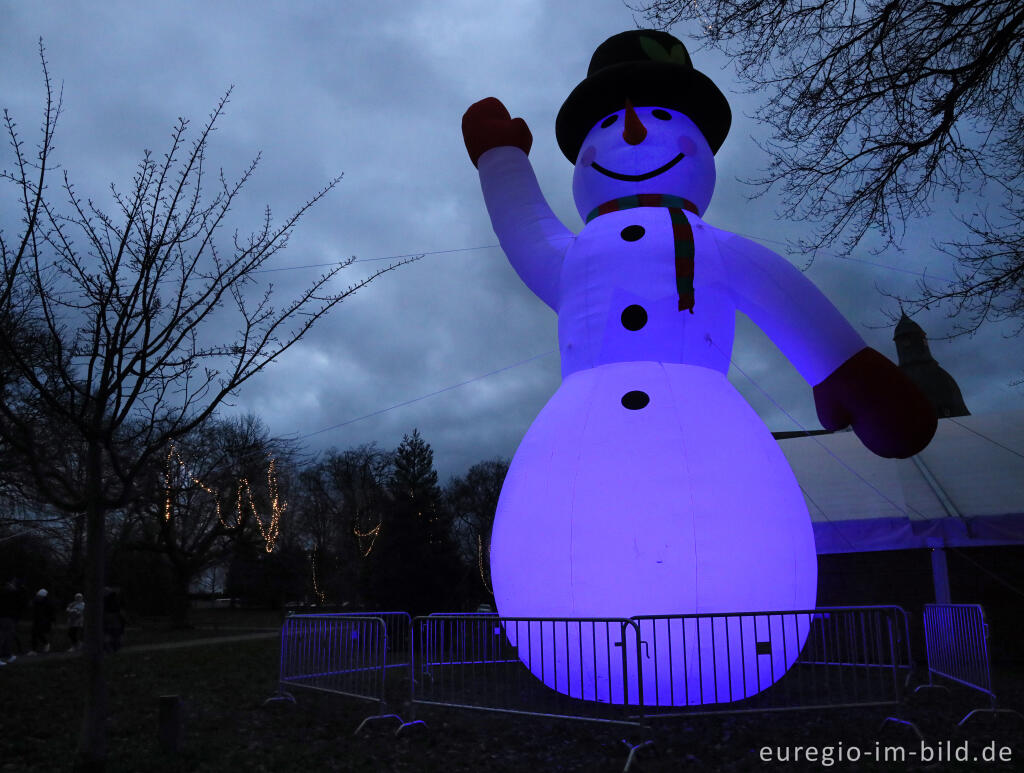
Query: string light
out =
(372, 534)
(320, 595)
(480, 563)
(272, 530)
(173, 453)
(703, 18)
(269, 531)
(167, 486)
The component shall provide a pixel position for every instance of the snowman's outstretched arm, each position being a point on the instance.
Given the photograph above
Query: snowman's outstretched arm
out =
(532, 237)
(853, 384)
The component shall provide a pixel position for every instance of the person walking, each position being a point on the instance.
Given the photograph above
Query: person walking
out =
(76, 621)
(42, 622)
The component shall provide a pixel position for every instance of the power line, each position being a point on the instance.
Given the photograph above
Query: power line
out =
(371, 260)
(922, 274)
(424, 397)
(530, 359)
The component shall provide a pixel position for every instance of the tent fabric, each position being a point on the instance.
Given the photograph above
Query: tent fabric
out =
(867, 534)
(965, 489)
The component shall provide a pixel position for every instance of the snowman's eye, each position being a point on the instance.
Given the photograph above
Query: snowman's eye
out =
(609, 120)
(663, 115)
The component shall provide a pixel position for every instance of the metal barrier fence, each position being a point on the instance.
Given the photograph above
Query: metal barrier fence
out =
(771, 661)
(566, 668)
(343, 653)
(956, 640)
(633, 670)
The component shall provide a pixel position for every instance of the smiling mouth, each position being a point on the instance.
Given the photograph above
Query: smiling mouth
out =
(635, 177)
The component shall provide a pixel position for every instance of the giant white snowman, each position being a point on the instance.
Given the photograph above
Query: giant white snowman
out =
(647, 485)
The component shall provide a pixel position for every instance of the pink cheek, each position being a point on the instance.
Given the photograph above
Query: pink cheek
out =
(688, 146)
(588, 155)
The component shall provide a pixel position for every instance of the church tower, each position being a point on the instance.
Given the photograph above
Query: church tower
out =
(915, 359)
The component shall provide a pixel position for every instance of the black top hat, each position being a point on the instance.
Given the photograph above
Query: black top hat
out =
(650, 68)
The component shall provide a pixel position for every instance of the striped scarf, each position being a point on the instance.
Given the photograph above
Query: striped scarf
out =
(682, 234)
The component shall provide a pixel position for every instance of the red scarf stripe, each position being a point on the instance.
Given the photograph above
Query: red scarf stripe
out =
(682, 234)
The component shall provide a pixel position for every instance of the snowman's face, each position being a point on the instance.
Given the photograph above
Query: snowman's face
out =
(672, 158)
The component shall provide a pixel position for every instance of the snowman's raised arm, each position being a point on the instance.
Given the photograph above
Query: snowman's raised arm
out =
(531, 235)
(533, 238)
(787, 306)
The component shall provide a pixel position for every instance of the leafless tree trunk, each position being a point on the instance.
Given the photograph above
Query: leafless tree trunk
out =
(106, 321)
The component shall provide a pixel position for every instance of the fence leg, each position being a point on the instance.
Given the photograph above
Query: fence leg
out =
(410, 724)
(401, 724)
(905, 722)
(633, 749)
(280, 695)
(992, 711)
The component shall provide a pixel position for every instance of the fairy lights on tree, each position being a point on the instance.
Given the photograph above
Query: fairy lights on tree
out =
(321, 596)
(173, 454)
(372, 535)
(272, 530)
(269, 530)
(480, 564)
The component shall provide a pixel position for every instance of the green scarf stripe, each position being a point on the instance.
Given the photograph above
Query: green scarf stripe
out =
(682, 234)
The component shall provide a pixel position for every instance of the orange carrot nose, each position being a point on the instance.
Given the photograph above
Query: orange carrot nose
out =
(634, 132)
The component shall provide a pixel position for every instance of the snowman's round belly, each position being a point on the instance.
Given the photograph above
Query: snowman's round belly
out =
(677, 502)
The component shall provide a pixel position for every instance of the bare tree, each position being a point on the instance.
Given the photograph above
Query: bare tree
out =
(473, 502)
(876, 107)
(341, 509)
(120, 306)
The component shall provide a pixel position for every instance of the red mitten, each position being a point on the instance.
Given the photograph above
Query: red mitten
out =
(889, 413)
(487, 124)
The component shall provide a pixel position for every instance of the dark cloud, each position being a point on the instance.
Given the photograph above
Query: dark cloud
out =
(377, 93)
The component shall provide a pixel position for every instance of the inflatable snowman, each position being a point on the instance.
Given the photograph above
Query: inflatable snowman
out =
(647, 485)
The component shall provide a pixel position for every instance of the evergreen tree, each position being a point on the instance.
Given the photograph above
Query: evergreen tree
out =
(414, 484)
(415, 566)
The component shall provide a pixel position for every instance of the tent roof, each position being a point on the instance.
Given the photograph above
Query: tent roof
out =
(965, 488)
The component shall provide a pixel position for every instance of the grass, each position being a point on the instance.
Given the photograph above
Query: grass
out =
(144, 631)
(227, 727)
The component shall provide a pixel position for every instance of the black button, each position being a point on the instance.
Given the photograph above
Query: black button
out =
(635, 400)
(634, 317)
(632, 232)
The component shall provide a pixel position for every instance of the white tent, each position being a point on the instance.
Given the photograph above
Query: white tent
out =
(966, 489)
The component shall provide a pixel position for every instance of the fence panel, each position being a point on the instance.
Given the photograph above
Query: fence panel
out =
(608, 669)
(397, 627)
(337, 653)
(740, 662)
(956, 640)
(584, 668)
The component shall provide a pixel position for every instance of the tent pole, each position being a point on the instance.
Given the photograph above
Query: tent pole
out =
(940, 576)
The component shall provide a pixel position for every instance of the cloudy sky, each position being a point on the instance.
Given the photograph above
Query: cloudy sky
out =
(376, 92)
